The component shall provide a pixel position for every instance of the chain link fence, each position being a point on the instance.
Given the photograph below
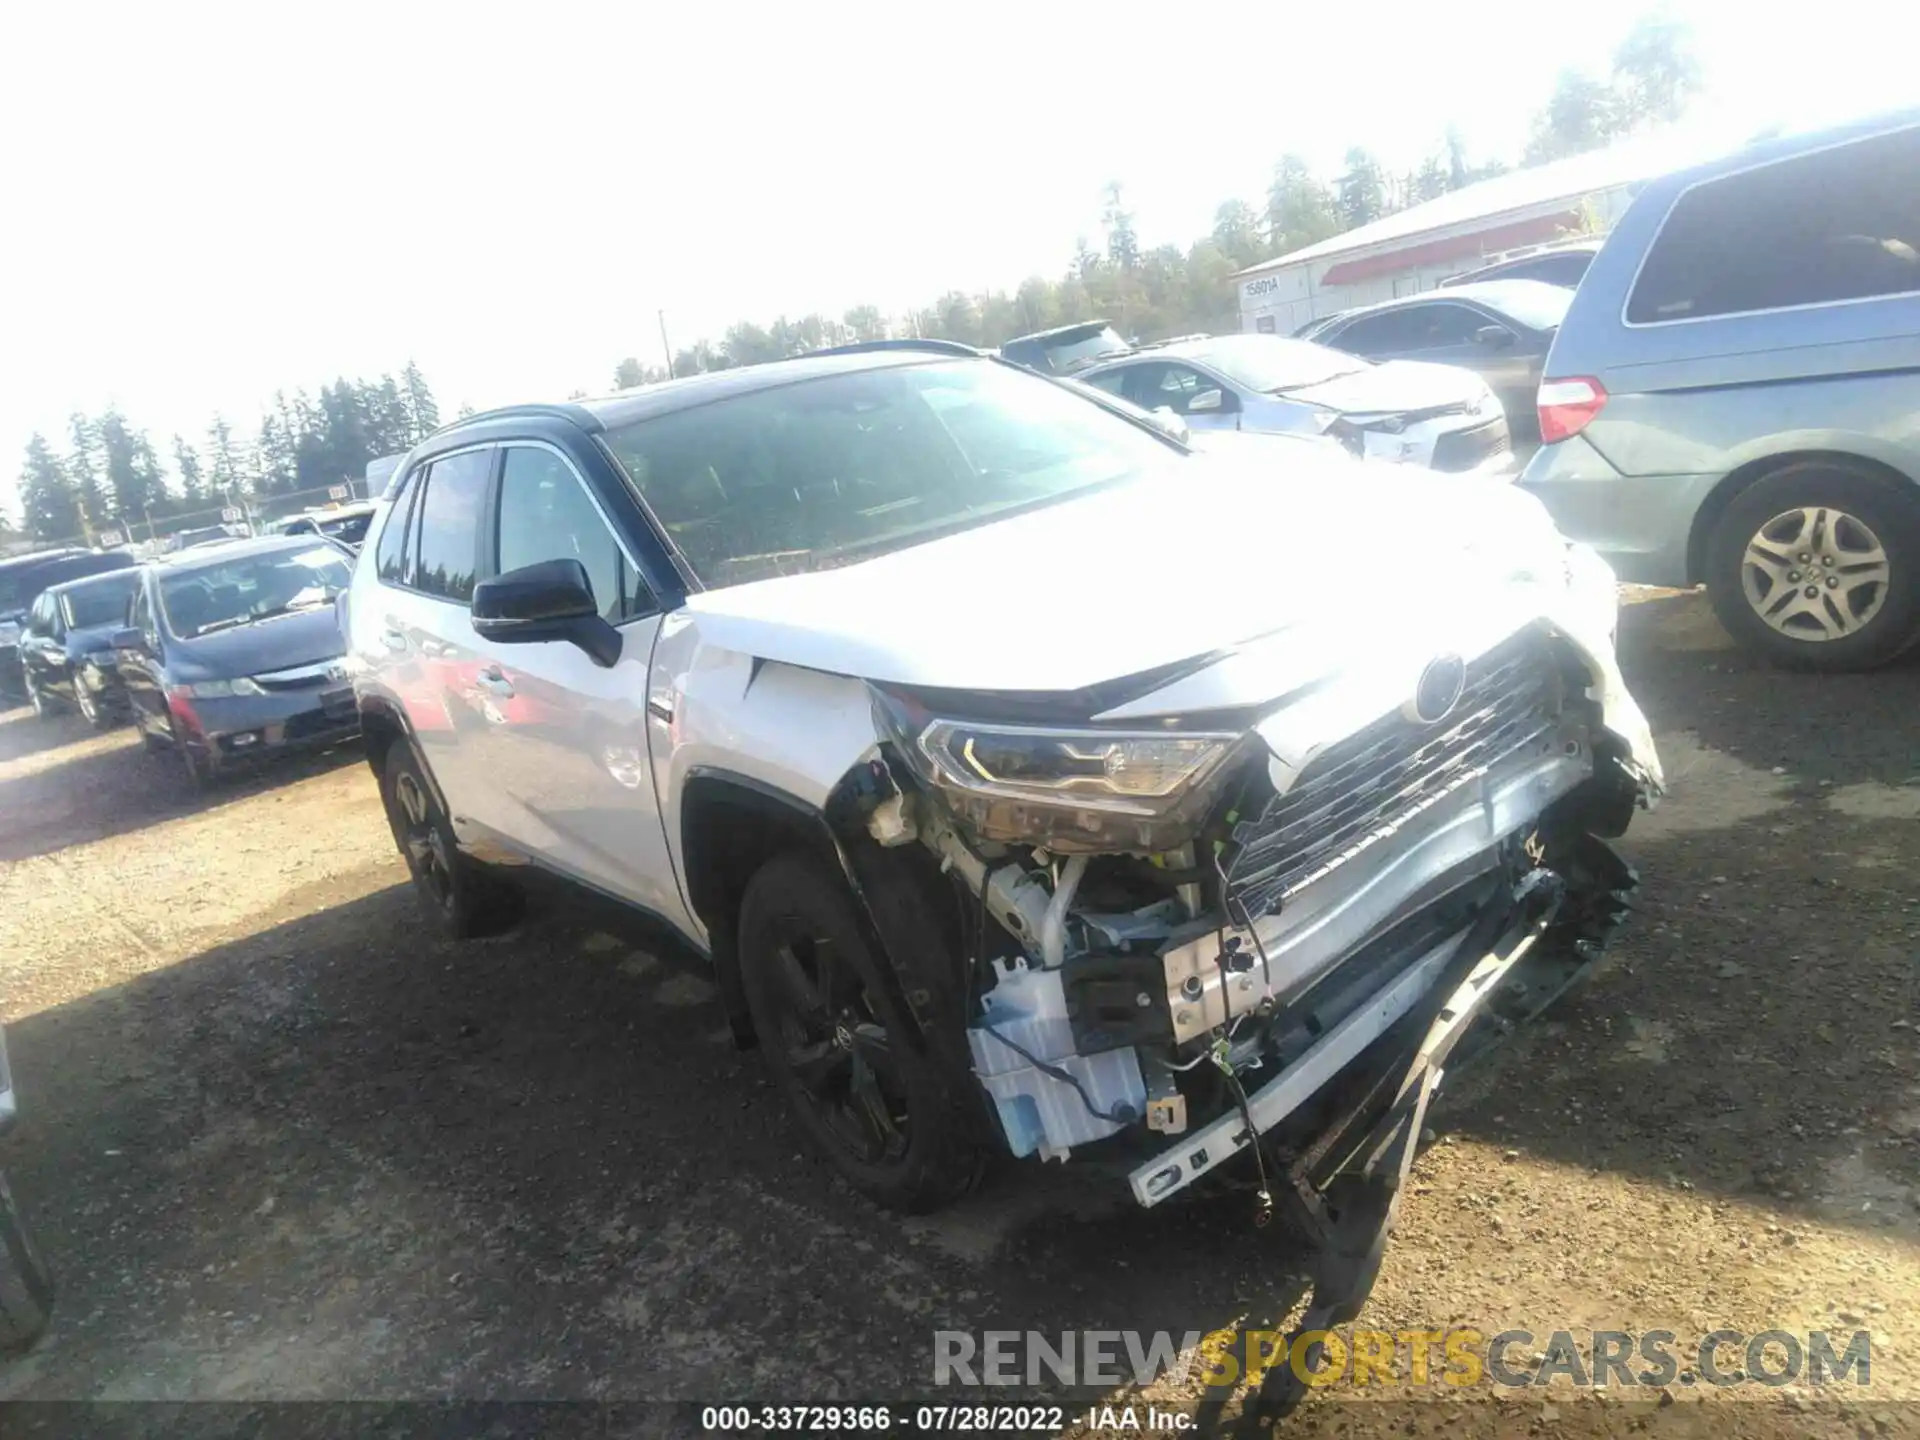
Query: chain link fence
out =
(155, 534)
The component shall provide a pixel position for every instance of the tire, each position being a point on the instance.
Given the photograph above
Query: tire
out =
(43, 708)
(26, 1285)
(463, 899)
(1826, 617)
(199, 774)
(90, 708)
(865, 1091)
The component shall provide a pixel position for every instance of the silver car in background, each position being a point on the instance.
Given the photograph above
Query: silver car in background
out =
(1432, 415)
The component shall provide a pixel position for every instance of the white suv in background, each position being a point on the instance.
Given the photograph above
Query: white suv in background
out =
(1032, 781)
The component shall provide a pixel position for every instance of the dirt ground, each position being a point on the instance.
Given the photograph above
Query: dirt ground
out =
(280, 1144)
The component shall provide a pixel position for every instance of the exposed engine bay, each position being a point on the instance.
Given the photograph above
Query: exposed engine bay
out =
(1221, 965)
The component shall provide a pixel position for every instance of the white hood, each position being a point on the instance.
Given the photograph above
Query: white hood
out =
(1396, 386)
(1220, 550)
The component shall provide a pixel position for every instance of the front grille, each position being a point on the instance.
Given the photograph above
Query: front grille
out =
(1365, 788)
(333, 716)
(1464, 449)
(302, 677)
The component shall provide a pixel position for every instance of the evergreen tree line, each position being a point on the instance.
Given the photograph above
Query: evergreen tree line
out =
(106, 474)
(1151, 293)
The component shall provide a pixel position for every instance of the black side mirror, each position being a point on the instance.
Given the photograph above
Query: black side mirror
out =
(552, 600)
(1494, 337)
(128, 639)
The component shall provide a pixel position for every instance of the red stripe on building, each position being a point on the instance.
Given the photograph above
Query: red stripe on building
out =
(1510, 236)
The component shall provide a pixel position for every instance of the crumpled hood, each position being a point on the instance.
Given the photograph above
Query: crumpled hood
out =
(1217, 550)
(304, 637)
(1395, 387)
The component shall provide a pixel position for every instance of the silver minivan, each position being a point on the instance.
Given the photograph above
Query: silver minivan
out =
(1733, 397)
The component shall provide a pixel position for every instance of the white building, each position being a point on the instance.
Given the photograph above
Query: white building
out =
(1415, 249)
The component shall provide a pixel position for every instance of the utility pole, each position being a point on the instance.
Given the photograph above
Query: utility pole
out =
(666, 346)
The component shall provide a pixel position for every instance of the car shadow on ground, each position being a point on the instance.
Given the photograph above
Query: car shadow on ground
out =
(111, 785)
(536, 1162)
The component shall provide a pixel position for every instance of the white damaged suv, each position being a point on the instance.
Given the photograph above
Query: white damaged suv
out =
(1033, 782)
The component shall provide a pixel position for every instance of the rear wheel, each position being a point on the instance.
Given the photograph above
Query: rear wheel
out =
(863, 1089)
(26, 1286)
(462, 898)
(1817, 566)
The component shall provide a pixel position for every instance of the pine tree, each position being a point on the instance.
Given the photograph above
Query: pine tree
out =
(83, 470)
(1123, 245)
(193, 483)
(423, 415)
(226, 472)
(49, 501)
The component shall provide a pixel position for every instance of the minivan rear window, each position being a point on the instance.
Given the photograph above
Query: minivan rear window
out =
(1838, 224)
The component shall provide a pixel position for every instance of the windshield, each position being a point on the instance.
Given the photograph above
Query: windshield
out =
(806, 476)
(102, 603)
(251, 587)
(1271, 363)
(1534, 303)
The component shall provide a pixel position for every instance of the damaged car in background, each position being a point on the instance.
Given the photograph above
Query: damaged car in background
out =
(1443, 417)
(1034, 783)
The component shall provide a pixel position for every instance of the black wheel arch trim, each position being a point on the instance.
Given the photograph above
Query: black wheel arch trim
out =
(848, 851)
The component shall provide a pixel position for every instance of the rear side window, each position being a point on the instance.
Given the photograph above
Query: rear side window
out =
(546, 514)
(1380, 334)
(446, 530)
(1841, 224)
(390, 557)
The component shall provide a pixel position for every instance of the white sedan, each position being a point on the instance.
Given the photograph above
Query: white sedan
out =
(1439, 416)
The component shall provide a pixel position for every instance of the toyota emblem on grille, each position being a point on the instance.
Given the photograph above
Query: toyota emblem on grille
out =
(1438, 690)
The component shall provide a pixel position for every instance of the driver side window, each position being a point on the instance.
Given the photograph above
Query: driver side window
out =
(545, 513)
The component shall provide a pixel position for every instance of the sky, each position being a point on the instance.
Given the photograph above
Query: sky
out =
(205, 203)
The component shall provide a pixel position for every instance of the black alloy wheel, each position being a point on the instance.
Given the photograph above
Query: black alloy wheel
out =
(461, 897)
(836, 1047)
(896, 1123)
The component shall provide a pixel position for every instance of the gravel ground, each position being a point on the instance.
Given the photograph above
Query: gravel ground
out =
(280, 1144)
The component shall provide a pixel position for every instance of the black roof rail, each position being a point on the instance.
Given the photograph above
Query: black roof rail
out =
(575, 414)
(931, 347)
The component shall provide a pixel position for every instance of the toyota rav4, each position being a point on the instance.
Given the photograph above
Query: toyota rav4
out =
(1032, 781)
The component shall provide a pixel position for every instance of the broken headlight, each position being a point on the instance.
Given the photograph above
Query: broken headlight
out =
(1068, 789)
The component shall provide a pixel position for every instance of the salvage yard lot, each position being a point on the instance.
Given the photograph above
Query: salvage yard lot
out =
(280, 1144)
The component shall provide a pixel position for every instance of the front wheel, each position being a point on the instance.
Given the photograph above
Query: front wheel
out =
(91, 710)
(1817, 567)
(463, 899)
(863, 1088)
(42, 707)
(26, 1286)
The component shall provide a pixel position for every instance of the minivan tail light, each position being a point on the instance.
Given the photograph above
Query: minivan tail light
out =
(1566, 406)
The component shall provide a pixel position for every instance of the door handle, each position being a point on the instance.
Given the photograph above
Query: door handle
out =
(393, 639)
(495, 683)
